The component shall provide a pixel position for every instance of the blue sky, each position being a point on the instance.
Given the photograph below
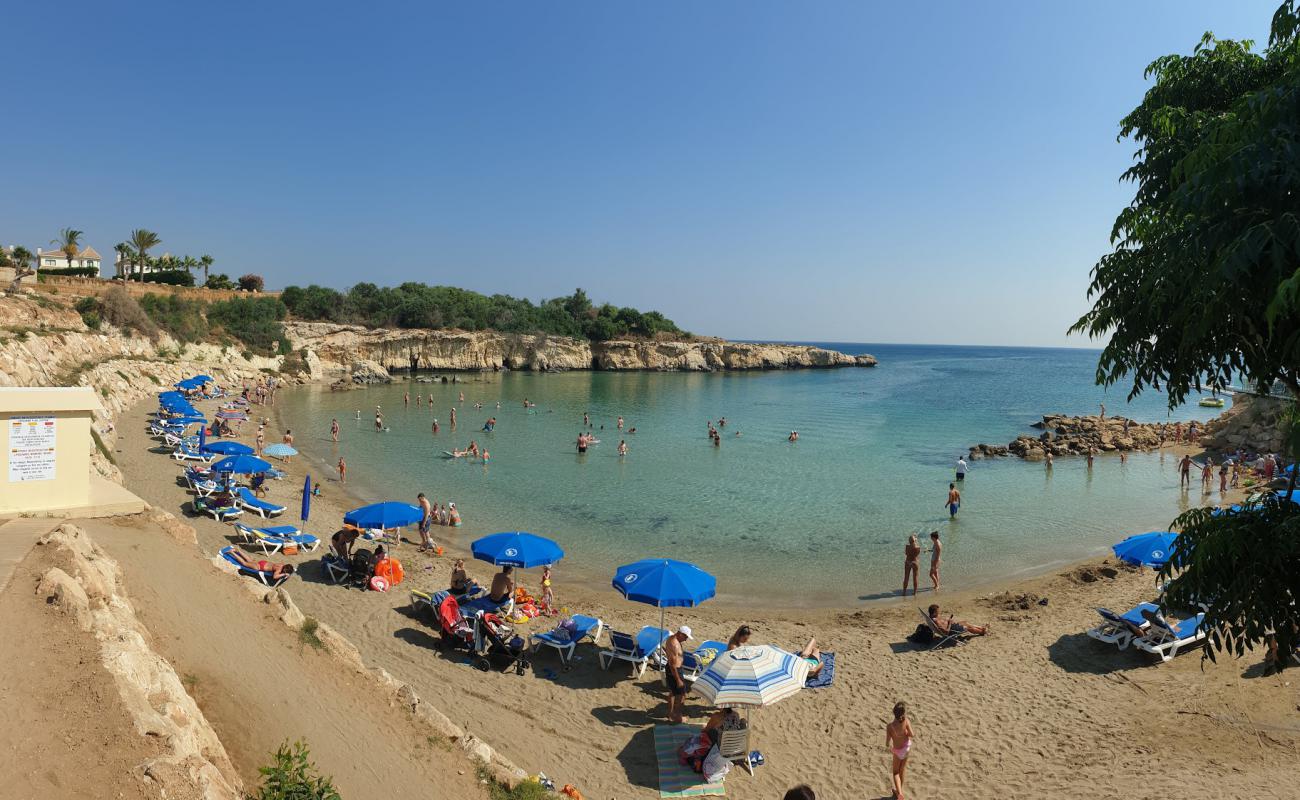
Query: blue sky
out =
(930, 172)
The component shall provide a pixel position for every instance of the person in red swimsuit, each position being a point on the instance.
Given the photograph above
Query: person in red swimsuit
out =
(275, 569)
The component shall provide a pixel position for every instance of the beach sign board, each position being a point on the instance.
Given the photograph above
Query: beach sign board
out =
(32, 452)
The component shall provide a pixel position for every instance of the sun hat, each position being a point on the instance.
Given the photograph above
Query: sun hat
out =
(685, 630)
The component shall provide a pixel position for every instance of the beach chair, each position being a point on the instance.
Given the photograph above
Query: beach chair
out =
(184, 453)
(1166, 641)
(263, 575)
(733, 745)
(273, 540)
(336, 569)
(636, 650)
(246, 499)
(585, 626)
(692, 666)
(201, 505)
(941, 636)
(1121, 629)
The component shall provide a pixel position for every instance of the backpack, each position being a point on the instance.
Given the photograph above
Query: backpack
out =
(922, 635)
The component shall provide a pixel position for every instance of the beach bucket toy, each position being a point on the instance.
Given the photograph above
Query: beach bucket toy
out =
(438, 550)
(290, 550)
(378, 584)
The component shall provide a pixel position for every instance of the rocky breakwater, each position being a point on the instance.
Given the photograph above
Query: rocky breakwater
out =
(1252, 423)
(1064, 435)
(357, 354)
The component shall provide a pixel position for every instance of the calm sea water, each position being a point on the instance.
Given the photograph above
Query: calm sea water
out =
(819, 521)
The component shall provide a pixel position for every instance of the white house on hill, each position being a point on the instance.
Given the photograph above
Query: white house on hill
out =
(57, 259)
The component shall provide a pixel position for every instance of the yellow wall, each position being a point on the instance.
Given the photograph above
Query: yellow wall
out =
(72, 442)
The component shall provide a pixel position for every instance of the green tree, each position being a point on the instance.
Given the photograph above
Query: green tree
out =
(21, 261)
(142, 240)
(219, 281)
(125, 258)
(205, 261)
(69, 242)
(1198, 289)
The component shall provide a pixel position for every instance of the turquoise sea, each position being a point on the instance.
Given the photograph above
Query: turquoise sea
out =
(820, 521)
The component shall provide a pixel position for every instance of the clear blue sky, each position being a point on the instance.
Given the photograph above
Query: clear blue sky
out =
(910, 172)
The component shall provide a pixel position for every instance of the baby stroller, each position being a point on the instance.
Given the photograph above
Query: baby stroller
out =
(456, 630)
(493, 638)
(362, 569)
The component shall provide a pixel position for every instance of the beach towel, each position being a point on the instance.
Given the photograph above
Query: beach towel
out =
(826, 676)
(675, 778)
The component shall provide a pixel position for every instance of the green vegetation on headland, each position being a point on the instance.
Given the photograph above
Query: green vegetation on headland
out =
(416, 305)
(255, 323)
(1203, 284)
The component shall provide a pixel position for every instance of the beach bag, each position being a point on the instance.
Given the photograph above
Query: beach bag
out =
(922, 635)
(693, 751)
(715, 766)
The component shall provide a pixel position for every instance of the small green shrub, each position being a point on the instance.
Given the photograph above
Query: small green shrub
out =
(291, 776)
(119, 308)
(182, 318)
(170, 277)
(308, 634)
(99, 444)
(154, 378)
(76, 272)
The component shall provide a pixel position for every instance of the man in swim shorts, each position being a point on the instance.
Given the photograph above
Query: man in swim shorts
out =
(954, 500)
(674, 654)
(425, 522)
(936, 549)
(503, 586)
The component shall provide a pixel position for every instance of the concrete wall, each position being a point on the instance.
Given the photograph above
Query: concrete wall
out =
(71, 484)
(68, 285)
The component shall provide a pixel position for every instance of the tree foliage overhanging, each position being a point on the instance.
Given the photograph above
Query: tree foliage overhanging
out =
(1203, 283)
(416, 305)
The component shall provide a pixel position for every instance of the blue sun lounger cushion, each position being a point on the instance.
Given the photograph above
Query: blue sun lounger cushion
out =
(263, 575)
(255, 504)
(583, 626)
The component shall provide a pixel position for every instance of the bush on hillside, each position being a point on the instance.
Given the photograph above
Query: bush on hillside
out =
(182, 318)
(88, 308)
(416, 305)
(119, 308)
(291, 776)
(256, 321)
(171, 277)
(251, 282)
(219, 280)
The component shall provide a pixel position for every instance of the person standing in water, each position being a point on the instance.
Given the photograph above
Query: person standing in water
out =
(453, 417)
(954, 500)
(379, 420)
(936, 552)
(435, 426)
(1091, 455)
(911, 567)
(1185, 472)
(406, 399)
(622, 447)
(898, 738)
(1047, 457)
(620, 423)
(426, 521)
(962, 468)
(334, 429)
(343, 470)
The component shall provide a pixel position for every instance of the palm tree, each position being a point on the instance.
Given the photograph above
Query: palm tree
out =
(125, 257)
(206, 261)
(21, 260)
(68, 240)
(142, 240)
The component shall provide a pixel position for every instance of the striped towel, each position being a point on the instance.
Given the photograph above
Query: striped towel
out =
(675, 778)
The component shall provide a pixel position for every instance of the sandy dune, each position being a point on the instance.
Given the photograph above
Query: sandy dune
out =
(1034, 710)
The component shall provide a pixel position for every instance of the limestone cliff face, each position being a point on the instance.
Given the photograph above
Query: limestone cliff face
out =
(331, 349)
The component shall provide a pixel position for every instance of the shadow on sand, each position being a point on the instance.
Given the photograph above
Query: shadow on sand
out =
(1078, 654)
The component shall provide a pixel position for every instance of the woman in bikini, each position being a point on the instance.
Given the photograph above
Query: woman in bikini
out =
(740, 638)
(898, 738)
(460, 583)
(911, 564)
(275, 569)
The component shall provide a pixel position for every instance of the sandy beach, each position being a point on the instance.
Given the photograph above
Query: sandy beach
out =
(1035, 709)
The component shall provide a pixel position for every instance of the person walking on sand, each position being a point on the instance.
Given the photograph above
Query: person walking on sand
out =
(936, 553)
(260, 441)
(911, 566)
(673, 655)
(425, 522)
(288, 440)
(962, 468)
(343, 470)
(898, 738)
(334, 429)
(1223, 477)
(1185, 472)
(954, 500)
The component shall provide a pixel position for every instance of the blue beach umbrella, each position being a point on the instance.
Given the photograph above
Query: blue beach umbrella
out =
(202, 378)
(188, 383)
(241, 465)
(1146, 549)
(517, 549)
(664, 582)
(186, 420)
(391, 514)
(227, 449)
(203, 436)
(306, 498)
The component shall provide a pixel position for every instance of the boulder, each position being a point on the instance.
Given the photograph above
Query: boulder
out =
(366, 371)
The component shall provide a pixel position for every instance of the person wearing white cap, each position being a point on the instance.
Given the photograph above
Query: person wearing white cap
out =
(673, 654)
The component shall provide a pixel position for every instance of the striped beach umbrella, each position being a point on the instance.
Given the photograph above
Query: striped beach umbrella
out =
(752, 677)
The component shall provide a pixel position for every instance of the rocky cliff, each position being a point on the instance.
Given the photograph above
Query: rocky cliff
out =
(1252, 423)
(332, 350)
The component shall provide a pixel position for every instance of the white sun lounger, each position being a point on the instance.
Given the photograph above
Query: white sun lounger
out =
(1167, 641)
(1121, 629)
(636, 650)
(586, 627)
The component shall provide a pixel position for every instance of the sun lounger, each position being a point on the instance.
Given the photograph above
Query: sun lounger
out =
(273, 540)
(1121, 629)
(585, 626)
(184, 453)
(941, 636)
(733, 745)
(263, 575)
(337, 569)
(1166, 641)
(219, 513)
(246, 499)
(635, 650)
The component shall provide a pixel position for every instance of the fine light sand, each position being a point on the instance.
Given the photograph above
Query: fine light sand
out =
(1036, 709)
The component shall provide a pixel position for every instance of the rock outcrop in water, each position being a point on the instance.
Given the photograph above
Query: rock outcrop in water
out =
(1064, 435)
(332, 350)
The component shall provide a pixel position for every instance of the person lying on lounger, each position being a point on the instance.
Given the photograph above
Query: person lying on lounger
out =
(951, 625)
(276, 570)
